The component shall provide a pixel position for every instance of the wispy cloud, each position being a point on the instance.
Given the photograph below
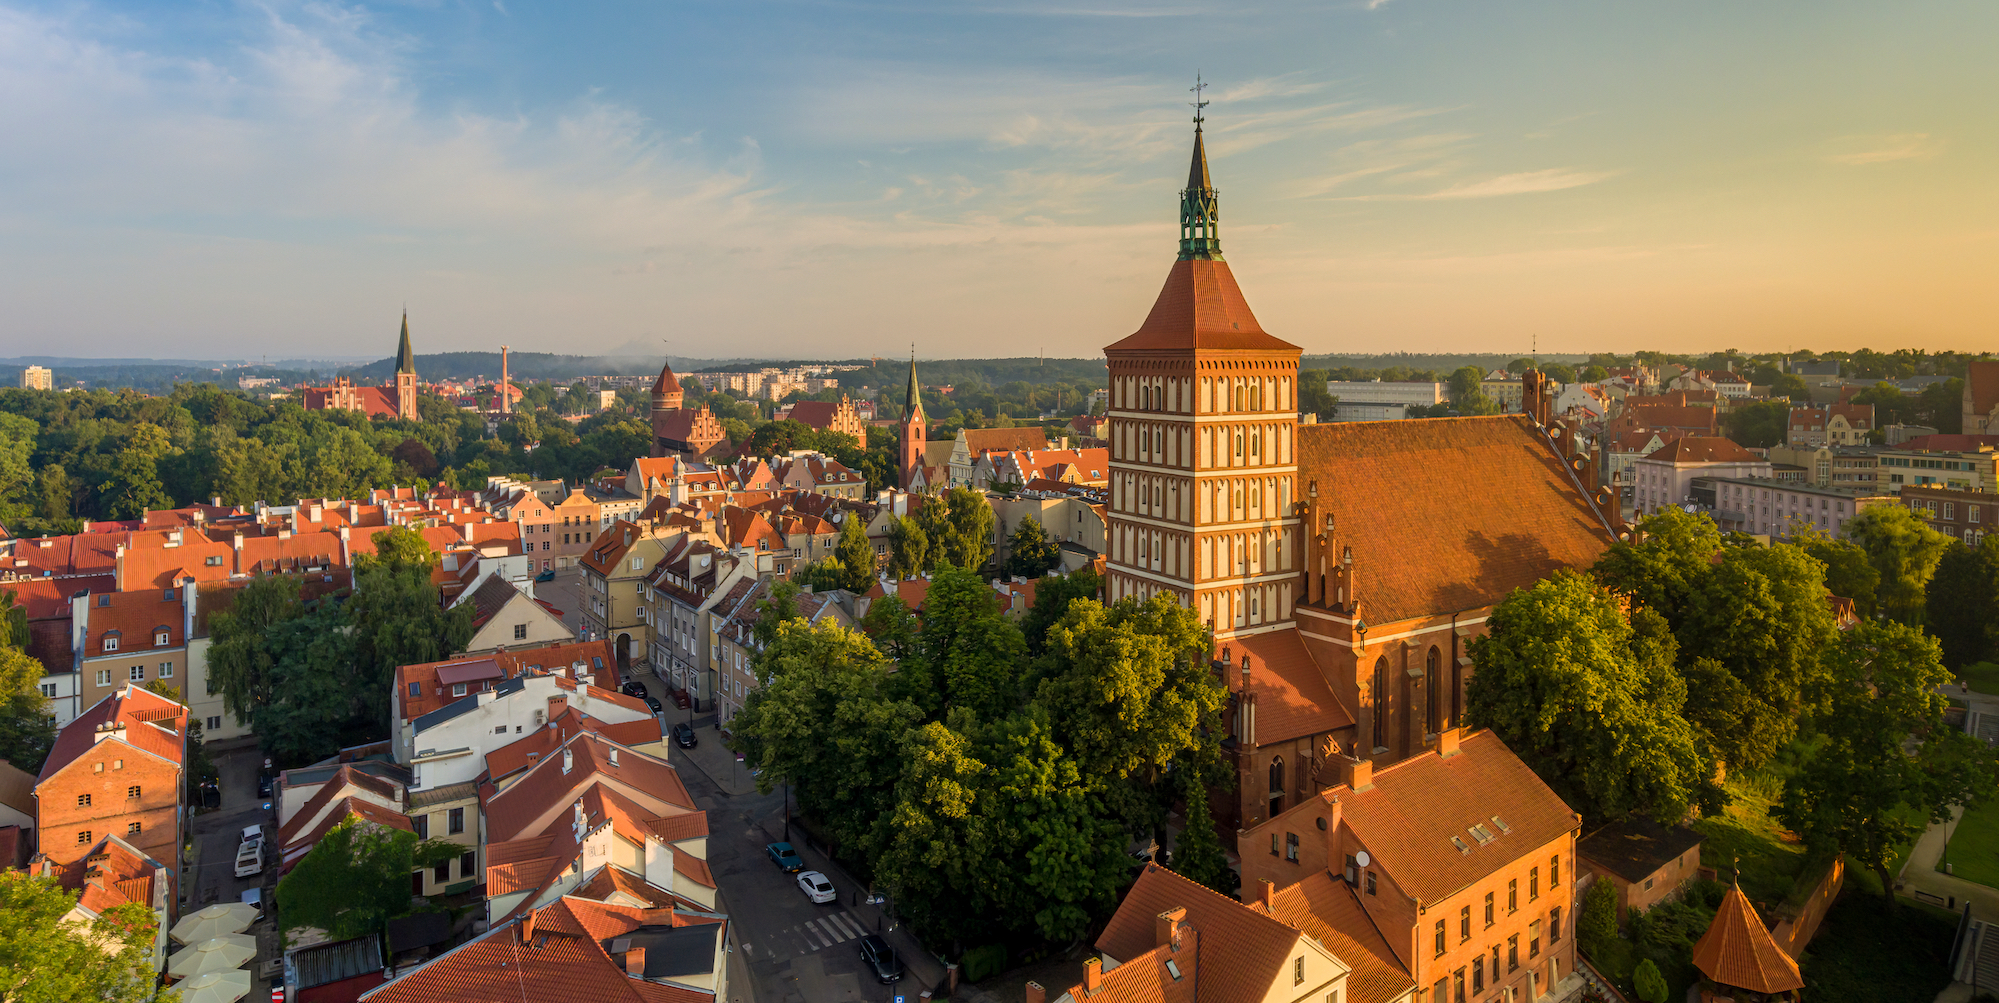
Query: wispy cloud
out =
(1523, 183)
(1862, 150)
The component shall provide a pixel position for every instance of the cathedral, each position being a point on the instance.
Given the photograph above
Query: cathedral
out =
(394, 400)
(1343, 568)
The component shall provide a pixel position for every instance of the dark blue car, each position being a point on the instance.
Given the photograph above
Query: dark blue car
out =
(784, 857)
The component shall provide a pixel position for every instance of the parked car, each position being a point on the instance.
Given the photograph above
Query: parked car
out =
(816, 887)
(683, 735)
(546, 576)
(881, 958)
(680, 699)
(250, 852)
(653, 702)
(211, 795)
(784, 857)
(264, 781)
(634, 688)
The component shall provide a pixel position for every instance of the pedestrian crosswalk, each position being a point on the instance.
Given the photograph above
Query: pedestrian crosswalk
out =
(811, 935)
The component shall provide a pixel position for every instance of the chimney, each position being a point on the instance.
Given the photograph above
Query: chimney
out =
(1357, 773)
(506, 399)
(1166, 927)
(1447, 742)
(1034, 993)
(1093, 974)
(635, 962)
(527, 926)
(1269, 901)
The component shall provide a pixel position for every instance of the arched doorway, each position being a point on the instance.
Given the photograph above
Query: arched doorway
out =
(624, 655)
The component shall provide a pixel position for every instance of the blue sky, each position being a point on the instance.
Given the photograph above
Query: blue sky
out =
(835, 179)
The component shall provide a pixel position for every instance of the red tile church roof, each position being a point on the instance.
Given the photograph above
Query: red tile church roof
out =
(1201, 307)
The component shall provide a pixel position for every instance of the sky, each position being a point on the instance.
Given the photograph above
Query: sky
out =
(989, 178)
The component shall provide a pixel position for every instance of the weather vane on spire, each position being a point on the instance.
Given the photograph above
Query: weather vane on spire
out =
(1200, 101)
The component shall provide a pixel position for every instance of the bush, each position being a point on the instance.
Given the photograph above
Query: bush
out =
(1598, 926)
(1671, 928)
(1649, 984)
(1705, 893)
(982, 963)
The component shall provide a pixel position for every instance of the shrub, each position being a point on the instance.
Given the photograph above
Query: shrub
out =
(1649, 984)
(1705, 893)
(1598, 925)
(1671, 928)
(982, 963)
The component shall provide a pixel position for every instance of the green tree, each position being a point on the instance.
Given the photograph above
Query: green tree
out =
(44, 958)
(1848, 573)
(1052, 597)
(933, 517)
(241, 655)
(1962, 605)
(1030, 553)
(17, 448)
(133, 484)
(1467, 389)
(1886, 746)
(970, 544)
(856, 554)
(1648, 983)
(891, 626)
(25, 732)
(778, 607)
(356, 879)
(1759, 425)
(1596, 927)
(1198, 856)
(13, 621)
(973, 651)
(397, 616)
(908, 548)
(1904, 551)
(1590, 701)
(316, 692)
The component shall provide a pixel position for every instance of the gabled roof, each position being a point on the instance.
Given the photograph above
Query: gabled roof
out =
(1003, 440)
(1738, 952)
(140, 710)
(1292, 698)
(489, 598)
(1201, 307)
(1635, 848)
(1409, 816)
(112, 874)
(1702, 449)
(1242, 950)
(1500, 511)
(509, 759)
(17, 789)
(1325, 909)
(667, 383)
(510, 812)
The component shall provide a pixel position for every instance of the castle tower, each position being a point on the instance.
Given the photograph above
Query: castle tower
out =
(406, 375)
(1203, 414)
(914, 434)
(666, 399)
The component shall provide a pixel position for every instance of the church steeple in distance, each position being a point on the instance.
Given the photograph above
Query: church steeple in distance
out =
(405, 356)
(912, 399)
(1200, 209)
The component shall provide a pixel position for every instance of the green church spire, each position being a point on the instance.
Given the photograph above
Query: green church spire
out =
(912, 399)
(1200, 209)
(405, 356)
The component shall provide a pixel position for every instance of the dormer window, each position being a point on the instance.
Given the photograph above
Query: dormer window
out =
(111, 641)
(161, 636)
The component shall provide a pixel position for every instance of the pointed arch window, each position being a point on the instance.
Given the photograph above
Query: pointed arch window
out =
(1380, 695)
(1431, 703)
(1276, 785)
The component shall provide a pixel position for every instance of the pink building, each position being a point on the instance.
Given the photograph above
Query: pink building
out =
(1664, 478)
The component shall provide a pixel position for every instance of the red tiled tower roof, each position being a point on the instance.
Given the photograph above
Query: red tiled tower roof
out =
(1738, 952)
(1201, 307)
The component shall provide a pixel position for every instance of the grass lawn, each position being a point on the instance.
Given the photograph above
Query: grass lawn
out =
(1982, 677)
(1866, 954)
(1745, 836)
(1973, 852)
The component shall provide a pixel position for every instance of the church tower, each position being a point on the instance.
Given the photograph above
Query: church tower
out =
(666, 399)
(914, 433)
(406, 375)
(1203, 413)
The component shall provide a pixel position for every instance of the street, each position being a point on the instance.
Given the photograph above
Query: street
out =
(209, 872)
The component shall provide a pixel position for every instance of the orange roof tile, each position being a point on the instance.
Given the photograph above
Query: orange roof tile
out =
(1201, 307)
(1702, 449)
(138, 709)
(1738, 952)
(1326, 909)
(1241, 949)
(1499, 512)
(1292, 697)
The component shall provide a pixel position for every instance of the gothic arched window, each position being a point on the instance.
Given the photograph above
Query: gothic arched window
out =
(1431, 677)
(1380, 692)
(1276, 782)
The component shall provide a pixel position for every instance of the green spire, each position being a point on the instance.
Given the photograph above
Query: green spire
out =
(912, 400)
(405, 357)
(1200, 210)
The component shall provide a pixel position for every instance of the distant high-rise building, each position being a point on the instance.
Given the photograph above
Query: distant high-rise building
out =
(38, 378)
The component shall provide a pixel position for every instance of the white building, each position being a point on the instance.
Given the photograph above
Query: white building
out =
(1782, 509)
(1664, 478)
(1374, 400)
(449, 745)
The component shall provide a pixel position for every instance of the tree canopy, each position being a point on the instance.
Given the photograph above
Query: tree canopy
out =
(46, 959)
(356, 879)
(1904, 551)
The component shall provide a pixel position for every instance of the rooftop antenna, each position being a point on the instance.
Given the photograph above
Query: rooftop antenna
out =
(1199, 101)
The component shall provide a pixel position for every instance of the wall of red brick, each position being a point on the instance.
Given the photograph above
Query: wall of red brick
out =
(111, 810)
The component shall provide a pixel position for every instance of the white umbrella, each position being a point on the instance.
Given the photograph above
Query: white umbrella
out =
(216, 954)
(215, 987)
(215, 921)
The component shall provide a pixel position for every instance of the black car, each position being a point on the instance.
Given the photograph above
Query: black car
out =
(881, 958)
(683, 735)
(652, 702)
(633, 688)
(264, 785)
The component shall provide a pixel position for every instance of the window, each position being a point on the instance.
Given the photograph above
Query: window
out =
(1555, 925)
(416, 689)
(49, 690)
(1458, 985)
(83, 800)
(1441, 992)
(455, 821)
(1291, 847)
(133, 829)
(441, 873)
(520, 632)
(159, 637)
(1478, 974)
(166, 670)
(137, 672)
(1648, 884)
(1488, 909)
(1430, 682)
(1370, 882)
(1513, 895)
(467, 862)
(1495, 963)
(1439, 938)
(1554, 872)
(458, 689)
(83, 838)
(132, 791)
(421, 825)
(1464, 924)
(1533, 883)
(110, 642)
(1379, 694)
(1534, 939)
(1298, 971)
(1352, 870)
(1513, 953)
(214, 723)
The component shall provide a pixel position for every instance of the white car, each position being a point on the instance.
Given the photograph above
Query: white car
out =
(250, 852)
(816, 887)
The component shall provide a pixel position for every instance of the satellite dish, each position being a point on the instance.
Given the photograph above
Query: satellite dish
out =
(1362, 858)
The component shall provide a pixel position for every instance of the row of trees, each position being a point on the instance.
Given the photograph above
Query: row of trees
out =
(1631, 687)
(989, 774)
(312, 675)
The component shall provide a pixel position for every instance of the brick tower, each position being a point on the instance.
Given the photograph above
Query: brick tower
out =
(406, 375)
(1203, 413)
(914, 435)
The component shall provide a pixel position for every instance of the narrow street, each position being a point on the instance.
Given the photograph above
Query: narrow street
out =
(208, 874)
